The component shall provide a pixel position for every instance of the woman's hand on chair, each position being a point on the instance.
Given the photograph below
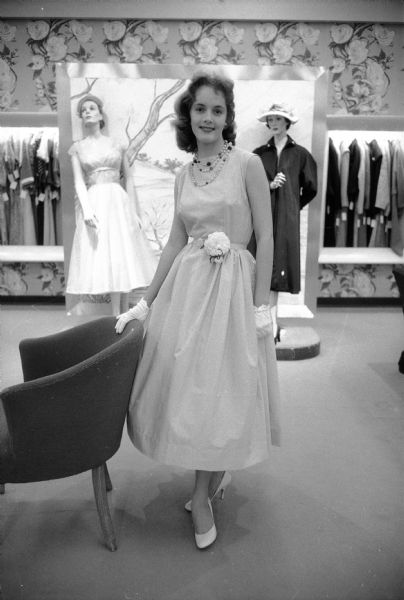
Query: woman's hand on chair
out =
(139, 312)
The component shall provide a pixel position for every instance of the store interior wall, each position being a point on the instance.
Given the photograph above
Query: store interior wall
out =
(31, 47)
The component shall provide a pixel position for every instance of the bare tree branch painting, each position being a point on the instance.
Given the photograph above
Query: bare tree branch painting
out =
(90, 84)
(152, 122)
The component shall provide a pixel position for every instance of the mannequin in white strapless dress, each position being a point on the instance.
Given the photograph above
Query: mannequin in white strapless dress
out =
(110, 253)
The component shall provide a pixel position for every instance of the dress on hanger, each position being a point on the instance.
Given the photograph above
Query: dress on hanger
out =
(116, 257)
(16, 231)
(353, 191)
(4, 198)
(397, 198)
(333, 195)
(26, 183)
(206, 394)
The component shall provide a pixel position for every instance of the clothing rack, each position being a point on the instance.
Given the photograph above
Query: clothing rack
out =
(30, 212)
(364, 197)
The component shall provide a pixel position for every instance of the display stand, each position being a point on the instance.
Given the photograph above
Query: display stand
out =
(298, 343)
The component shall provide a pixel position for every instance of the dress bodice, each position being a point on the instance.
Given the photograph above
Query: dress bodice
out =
(222, 205)
(101, 162)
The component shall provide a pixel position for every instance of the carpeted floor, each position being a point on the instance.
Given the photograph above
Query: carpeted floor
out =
(323, 519)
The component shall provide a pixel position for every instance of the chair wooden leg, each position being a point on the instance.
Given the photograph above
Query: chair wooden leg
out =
(2, 488)
(101, 500)
(108, 482)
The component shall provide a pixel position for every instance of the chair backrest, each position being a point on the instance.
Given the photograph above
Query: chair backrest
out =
(71, 421)
(53, 353)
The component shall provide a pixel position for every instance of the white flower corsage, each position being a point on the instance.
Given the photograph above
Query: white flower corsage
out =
(217, 245)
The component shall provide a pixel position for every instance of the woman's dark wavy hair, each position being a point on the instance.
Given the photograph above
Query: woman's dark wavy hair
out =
(185, 137)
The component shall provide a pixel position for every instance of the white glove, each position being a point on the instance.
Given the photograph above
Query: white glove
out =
(91, 220)
(139, 312)
(278, 181)
(263, 320)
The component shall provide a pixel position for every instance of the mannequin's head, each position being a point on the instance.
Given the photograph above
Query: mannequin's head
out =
(279, 115)
(90, 109)
(277, 124)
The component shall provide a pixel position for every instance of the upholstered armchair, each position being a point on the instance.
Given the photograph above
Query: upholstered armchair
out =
(68, 415)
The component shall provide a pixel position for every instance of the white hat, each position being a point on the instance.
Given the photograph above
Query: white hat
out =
(280, 110)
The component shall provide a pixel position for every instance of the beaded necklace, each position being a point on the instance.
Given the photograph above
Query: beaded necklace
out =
(203, 173)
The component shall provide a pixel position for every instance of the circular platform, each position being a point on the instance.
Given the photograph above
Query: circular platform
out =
(297, 343)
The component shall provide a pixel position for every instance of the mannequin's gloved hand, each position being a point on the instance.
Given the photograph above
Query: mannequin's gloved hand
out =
(263, 320)
(91, 220)
(278, 181)
(139, 312)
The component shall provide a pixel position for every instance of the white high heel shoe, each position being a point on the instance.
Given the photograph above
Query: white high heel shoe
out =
(219, 491)
(203, 540)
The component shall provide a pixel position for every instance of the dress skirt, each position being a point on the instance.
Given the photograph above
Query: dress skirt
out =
(114, 258)
(206, 393)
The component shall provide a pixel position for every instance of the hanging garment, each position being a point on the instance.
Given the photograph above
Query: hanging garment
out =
(54, 183)
(4, 198)
(26, 183)
(39, 168)
(360, 234)
(16, 227)
(49, 236)
(352, 190)
(397, 198)
(342, 218)
(376, 157)
(333, 195)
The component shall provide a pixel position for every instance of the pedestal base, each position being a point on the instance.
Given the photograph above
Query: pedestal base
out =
(297, 343)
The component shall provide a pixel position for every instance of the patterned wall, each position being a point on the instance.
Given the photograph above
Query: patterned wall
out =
(366, 78)
(365, 60)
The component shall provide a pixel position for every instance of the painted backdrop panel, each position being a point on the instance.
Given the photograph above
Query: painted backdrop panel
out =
(139, 107)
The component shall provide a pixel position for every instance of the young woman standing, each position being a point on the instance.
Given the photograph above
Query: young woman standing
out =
(205, 395)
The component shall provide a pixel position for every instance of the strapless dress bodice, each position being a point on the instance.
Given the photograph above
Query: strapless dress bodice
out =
(101, 162)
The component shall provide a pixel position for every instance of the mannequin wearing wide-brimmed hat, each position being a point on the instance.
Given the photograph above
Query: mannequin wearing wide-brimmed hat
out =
(110, 253)
(292, 174)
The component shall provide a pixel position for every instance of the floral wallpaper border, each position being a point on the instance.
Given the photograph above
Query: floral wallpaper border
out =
(32, 279)
(364, 60)
(357, 281)
(336, 281)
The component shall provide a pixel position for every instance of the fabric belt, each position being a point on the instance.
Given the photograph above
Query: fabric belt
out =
(236, 246)
(104, 175)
